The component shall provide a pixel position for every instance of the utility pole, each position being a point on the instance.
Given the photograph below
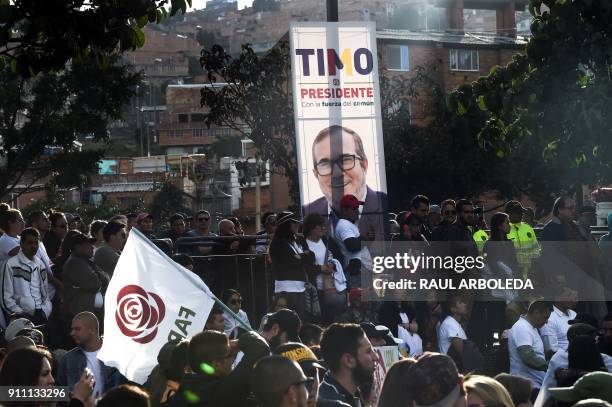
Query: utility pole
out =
(257, 195)
(332, 11)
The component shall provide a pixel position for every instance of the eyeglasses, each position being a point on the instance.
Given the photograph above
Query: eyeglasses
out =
(203, 219)
(235, 302)
(345, 162)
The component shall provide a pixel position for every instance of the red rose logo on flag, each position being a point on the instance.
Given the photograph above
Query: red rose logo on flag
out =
(139, 313)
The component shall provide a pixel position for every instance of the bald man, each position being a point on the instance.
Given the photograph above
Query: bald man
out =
(85, 332)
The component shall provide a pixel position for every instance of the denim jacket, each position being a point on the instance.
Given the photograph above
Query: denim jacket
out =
(71, 368)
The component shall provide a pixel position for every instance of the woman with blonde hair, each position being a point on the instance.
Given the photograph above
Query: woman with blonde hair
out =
(484, 391)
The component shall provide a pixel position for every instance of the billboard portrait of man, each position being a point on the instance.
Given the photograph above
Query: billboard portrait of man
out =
(340, 165)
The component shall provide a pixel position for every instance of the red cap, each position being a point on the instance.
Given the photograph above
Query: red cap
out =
(143, 216)
(350, 201)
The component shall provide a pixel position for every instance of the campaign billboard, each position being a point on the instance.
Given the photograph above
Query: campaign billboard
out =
(336, 101)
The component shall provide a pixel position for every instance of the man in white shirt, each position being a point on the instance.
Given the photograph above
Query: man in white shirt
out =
(450, 332)
(24, 282)
(346, 233)
(85, 332)
(40, 221)
(554, 333)
(527, 358)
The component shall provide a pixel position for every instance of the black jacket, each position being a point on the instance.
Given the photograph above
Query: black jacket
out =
(286, 264)
(231, 390)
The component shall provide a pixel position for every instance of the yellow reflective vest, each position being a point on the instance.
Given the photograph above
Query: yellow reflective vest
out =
(480, 237)
(525, 243)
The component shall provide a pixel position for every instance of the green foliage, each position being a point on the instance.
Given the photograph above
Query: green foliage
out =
(169, 200)
(206, 39)
(43, 35)
(554, 98)
(40, 119)
(255, 102)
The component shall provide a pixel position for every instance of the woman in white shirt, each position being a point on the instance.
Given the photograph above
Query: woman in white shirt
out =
(233, 300)
(329, 274)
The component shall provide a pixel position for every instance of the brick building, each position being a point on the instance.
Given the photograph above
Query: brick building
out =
(457, 59)
(183, 129)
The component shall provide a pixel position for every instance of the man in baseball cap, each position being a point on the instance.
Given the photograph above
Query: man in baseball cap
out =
(592, 385)
(281, 327)
(435, 381)
(309, 363)
(349, 238)
(144, 224)
(16, 326)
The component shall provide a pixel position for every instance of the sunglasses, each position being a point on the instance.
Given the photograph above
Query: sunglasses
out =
(235, 302)
(308, 383)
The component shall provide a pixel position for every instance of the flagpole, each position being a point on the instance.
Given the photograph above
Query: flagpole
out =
(194, 278)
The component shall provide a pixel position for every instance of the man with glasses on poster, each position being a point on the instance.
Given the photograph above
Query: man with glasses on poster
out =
(340, 167)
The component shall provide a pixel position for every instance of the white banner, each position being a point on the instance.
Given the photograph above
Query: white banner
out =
(150, 301)
(338, 121)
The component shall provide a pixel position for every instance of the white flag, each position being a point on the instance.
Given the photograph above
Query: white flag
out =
(150, 301)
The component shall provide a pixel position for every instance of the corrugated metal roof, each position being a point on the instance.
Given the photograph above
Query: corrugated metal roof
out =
(450, 38)
(127, 187)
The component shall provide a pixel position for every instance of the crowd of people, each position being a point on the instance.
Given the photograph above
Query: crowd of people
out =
(317, 345)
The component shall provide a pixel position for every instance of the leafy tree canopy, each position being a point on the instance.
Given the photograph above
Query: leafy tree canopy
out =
(40, 120)
(555, 97)
(43, 35)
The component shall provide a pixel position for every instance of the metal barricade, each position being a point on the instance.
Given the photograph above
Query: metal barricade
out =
(245, 272)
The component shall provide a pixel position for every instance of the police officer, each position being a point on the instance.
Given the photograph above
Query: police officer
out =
(523, 236)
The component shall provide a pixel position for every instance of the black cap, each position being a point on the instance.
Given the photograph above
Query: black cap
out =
(175, 217)
(584, 318)
(288, 321)
(79, 238)
(286, 217)
(514, 206)
(374, 332)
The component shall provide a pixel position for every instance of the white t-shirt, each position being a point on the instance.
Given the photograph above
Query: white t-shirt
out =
(449, 329)
(290, 286)
(94, 364)
(345, 229)
(412, 340)
(555, 330)
(320, 251)
(523, 333)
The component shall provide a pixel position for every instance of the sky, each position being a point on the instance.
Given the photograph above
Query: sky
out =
(200, 4)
